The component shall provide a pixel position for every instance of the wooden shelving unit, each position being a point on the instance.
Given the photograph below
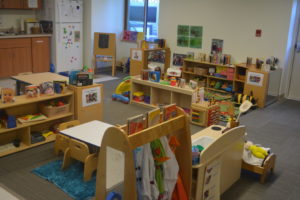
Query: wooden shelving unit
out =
(136, 66)
(22, 132)
(161, 94)
(188, 73)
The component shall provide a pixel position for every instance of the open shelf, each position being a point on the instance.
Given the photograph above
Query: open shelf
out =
(26, 106)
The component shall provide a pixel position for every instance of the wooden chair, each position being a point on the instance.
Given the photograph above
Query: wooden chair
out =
(62, 142)
(80, 151)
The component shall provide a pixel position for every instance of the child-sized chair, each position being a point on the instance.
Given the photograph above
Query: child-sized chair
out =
(62, 142)
(80, 151)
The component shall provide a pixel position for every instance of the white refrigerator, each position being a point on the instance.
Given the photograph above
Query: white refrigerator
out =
(66, 45)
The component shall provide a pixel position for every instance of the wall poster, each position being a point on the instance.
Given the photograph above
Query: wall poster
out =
(91, 96)
(256, 79)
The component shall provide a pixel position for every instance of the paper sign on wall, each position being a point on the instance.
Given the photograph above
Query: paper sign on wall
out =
(32, 3)
(91, 96)
(256, 79)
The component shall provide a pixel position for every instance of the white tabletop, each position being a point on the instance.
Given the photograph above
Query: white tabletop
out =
(91, 132)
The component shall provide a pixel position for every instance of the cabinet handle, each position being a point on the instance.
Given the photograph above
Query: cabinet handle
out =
(39, 41)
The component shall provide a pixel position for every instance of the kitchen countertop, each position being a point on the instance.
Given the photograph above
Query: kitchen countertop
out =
(25, 36)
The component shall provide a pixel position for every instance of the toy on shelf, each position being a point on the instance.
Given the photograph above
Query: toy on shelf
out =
(32, 91)
(122, 92)
(154, 76)
(205, 113)
(60, 87)
(47, 88)
(7, 121)
(173, 81)
(32, 118)
(7, 95)
(138, 96)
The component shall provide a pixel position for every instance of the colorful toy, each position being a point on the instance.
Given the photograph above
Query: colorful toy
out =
(154, 76)
(257, 151)
(138, 96)
(173, 81)
(123, 91)
(7, 95)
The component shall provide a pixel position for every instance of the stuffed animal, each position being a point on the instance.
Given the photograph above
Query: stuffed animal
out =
(256, 150)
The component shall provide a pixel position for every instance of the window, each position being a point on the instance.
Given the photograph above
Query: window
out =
(136, 10)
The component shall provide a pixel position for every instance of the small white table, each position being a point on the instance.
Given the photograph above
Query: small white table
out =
(91, 132)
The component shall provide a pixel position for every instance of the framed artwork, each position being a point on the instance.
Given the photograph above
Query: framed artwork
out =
(216, 46)
(254, 78)
(178, 59)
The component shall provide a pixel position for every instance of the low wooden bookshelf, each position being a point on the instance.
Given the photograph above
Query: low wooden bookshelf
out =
(22, 132)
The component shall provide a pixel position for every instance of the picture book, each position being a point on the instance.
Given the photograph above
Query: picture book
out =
(7, 95)
(32, 91)
(153, 117)
(169, 111)
(47, 88)
(135, 124)
(31, 118)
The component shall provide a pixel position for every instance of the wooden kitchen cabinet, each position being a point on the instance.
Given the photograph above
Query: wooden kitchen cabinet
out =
(18, 4)
(40, 54)
(22, 61)
(25, 4)
(11, 4)
(5, 62)
(18, 55)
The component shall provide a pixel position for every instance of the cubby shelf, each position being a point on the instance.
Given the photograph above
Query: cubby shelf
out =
(23, 146)
(20, 125)
(161, 94)
(22, 132)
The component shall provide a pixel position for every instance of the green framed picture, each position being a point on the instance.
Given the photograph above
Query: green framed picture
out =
(183, 30)
(182, 41)
(196, 31)
(196, 42)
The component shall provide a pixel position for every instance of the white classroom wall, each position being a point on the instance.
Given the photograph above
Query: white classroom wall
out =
(12, 17)
(107, 16)
(234, 21)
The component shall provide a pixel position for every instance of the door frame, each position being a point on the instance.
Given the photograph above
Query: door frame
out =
(295, 30)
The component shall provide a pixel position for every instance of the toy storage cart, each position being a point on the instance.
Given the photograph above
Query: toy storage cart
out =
(220, 161)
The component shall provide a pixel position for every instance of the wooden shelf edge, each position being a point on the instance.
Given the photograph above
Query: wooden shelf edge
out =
(143, 104)
(24, 146)
(25, 125)
(21, 100)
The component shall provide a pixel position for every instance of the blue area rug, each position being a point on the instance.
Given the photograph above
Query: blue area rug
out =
(69, 180)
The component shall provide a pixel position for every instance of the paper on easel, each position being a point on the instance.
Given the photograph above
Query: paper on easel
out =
(32, 3)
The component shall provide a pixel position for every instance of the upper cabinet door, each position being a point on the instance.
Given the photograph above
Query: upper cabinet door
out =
(21, 4)
(32, 4)
(12, 4)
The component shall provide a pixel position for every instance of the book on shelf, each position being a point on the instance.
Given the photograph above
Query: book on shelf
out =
(169, 111)
(135, 124)
(153, 117)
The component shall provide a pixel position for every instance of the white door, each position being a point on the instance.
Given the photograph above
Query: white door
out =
(294, 91)
(68, 46)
